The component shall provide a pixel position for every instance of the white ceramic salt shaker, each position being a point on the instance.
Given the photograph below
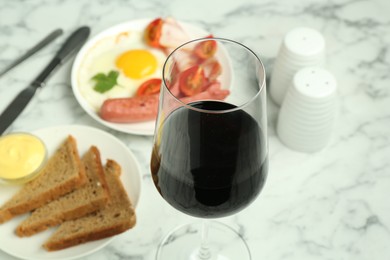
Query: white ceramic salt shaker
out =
(307, 114)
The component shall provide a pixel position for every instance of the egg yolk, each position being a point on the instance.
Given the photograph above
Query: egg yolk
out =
(137, 64)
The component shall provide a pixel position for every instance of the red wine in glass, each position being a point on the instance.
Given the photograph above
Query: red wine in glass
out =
(210, 165)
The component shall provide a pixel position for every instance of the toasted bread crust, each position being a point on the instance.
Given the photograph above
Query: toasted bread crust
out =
(88, 198)
(87, 237)
(38, 192)
(117, 217)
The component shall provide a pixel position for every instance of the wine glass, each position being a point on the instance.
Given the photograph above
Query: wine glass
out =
(209, 158)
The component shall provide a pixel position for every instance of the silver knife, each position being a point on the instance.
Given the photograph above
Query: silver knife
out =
(53, 35)
(73, 43)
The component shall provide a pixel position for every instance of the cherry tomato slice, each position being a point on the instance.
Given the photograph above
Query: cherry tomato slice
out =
(152, 33)
(205, 49)
(149, 87)
(192, 80)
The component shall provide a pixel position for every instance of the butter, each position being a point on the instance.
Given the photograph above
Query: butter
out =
(21, 155)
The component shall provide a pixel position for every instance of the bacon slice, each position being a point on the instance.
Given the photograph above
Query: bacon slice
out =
(213, 92)
(173, 35)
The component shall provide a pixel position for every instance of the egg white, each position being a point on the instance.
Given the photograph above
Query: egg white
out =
(101, 58)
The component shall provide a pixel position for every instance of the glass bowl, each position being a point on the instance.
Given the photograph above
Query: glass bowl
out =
(22, 157)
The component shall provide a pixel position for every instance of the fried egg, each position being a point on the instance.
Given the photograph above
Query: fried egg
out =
(125, 53)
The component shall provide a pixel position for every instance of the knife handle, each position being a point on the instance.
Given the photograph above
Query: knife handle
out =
(53, 35)
(73, 43)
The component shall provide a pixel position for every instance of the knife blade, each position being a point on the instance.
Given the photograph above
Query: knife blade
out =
(53, 35)
(71, 45)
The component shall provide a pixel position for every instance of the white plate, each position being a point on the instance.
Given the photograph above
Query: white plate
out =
(110, 148)
(143, 128)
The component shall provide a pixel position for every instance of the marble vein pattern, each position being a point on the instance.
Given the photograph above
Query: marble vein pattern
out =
(328, 205)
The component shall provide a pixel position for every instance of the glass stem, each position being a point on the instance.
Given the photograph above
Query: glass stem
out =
(204, 250)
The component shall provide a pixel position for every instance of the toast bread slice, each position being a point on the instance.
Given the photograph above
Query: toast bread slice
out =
(89, 198)
(117, 217)
(62, 174)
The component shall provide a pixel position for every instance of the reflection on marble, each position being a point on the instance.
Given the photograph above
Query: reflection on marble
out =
(332, 204)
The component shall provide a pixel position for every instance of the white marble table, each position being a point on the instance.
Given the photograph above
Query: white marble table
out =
(333, 204)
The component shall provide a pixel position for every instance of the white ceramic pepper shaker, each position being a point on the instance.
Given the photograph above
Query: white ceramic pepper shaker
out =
(301, 47)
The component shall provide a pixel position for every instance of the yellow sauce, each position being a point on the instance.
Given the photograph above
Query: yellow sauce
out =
(20, 155)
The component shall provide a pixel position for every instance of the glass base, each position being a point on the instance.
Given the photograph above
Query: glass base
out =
(185, 243)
